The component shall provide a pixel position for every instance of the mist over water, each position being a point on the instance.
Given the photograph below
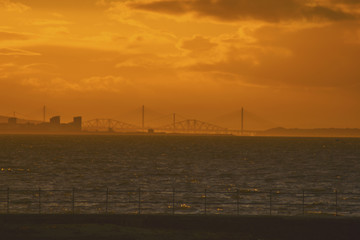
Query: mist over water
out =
(182, 162)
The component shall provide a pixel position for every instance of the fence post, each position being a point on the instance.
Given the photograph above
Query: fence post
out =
(205, 202)
(39, 200)
(173, 202)
(73, 201)
(336, 202)
(238, 202)
(107, 200)
(139, 207)
(8, 200)
(303, 202)
(270, 202)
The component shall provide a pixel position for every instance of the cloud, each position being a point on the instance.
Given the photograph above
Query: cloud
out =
(10, 6)
(350, 2)
(286, 58)
(5, 68)
(235, 10)
(104, 83)
(13, 36)
(59, 68)
(17, 52)
(197, 44)
(49, 22)
(199, 49)
(91, 84)
(60, 4)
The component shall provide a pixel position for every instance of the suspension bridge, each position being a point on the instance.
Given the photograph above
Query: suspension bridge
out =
(186, 126)
(162, 123)
(183, 126)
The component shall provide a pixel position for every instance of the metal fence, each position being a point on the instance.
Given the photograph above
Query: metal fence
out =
(141, 201)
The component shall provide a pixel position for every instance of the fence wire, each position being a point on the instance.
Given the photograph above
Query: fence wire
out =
(143, 201)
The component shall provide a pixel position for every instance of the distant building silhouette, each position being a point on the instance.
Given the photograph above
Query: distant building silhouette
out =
(15, 125)
(12, 120)
(55, 120)
(77, 123)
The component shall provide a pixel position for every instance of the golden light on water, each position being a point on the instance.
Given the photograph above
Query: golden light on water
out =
(185, 206)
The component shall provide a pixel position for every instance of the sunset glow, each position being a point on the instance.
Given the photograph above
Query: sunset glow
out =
(293, 63)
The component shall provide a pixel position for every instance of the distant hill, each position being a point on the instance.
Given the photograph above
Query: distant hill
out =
(317, 132)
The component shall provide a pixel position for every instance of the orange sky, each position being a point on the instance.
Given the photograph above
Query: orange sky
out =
(295, 63)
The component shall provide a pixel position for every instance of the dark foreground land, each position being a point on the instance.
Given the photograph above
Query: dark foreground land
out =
(146, 227)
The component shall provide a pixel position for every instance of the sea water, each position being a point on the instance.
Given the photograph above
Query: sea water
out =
(184, 163)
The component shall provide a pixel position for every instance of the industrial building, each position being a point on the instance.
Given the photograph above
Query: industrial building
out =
(14, 124)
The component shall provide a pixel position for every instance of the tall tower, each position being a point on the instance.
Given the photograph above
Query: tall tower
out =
(143, 117)
(174, 121)
(242, 121)
(44, 113)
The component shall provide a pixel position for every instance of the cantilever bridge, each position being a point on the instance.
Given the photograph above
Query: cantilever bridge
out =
(108, 125)
(193, 126)
(186, 126)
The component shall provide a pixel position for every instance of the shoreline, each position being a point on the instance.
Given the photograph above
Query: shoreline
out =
(5, 133)
(178, 227)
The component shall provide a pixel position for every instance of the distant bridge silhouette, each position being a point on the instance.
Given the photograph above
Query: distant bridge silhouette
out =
(186, 126)
(108, 125)
(193, 126)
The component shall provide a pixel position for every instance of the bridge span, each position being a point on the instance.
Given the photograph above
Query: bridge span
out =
(189, 126)
(108, 125)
